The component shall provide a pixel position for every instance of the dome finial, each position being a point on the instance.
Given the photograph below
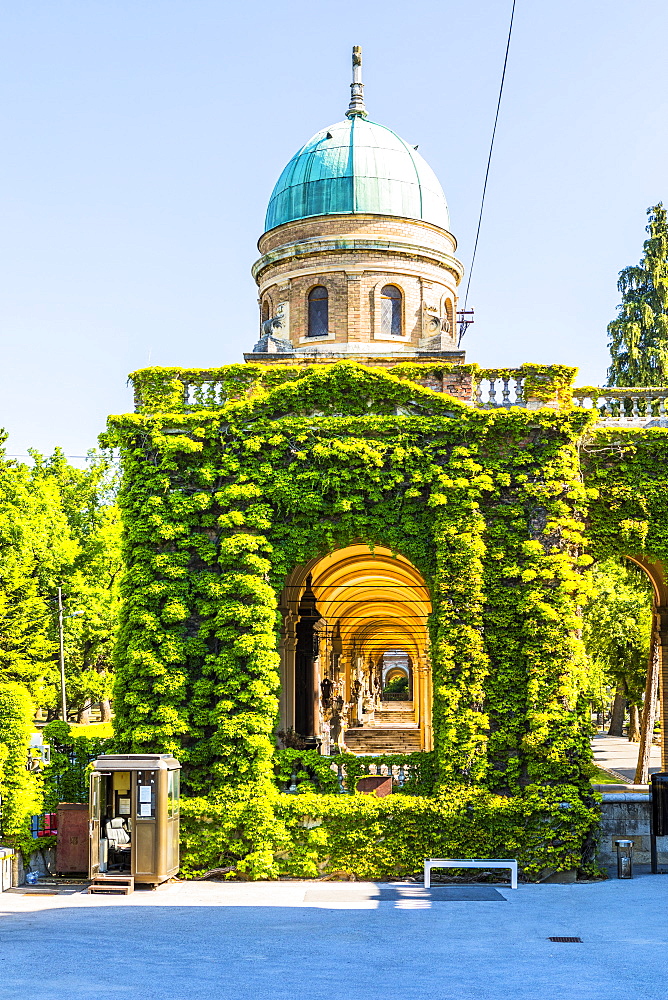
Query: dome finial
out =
(356, 106)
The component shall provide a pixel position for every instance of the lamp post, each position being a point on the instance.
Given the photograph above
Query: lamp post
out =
(63, 698)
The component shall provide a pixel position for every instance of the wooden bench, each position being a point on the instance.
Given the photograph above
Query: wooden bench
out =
(470, 863)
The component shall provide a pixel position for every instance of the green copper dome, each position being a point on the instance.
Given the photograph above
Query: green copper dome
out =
(357, 166)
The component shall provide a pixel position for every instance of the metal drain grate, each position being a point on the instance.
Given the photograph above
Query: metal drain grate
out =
(566, 940)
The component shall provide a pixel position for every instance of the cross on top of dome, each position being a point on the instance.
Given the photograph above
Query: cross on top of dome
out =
(356, 106)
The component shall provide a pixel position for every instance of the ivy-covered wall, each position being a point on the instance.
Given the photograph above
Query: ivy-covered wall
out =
(223, 497)
(626, 471)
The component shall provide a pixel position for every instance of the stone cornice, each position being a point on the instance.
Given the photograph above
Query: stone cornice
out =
(319, 246)
(372, 360)
(401, 267)
(358, 217)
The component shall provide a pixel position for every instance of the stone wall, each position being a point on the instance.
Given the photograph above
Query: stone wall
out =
(626, 815)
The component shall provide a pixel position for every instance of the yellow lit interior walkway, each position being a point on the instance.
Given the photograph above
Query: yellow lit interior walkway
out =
(342, 614)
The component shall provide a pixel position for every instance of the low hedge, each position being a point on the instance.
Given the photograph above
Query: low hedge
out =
(372, 838)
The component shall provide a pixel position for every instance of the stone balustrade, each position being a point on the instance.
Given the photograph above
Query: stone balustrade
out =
(207, 394)
(625, 407)
(493, 391)
(616, 407)
(401, 773)
(179, 390)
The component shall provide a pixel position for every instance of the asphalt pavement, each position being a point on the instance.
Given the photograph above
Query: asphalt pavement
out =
(339, 941)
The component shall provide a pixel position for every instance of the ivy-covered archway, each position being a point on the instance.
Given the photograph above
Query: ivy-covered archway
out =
(222, 499)
(626, 474)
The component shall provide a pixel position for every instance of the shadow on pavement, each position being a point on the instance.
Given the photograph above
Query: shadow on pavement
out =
(391, 892)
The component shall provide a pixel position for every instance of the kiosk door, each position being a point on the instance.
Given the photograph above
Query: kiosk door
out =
(95, 823)
(146, 826)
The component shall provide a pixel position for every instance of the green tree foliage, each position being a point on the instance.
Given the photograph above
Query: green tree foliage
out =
(617, 628)
(397, 684)
(66, 778)
(639, 335)
(58, 526)
(35, 545)
(90, 578)
(20, 789)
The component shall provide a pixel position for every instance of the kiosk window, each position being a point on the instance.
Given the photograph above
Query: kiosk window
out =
(146, 794)
(173, 794)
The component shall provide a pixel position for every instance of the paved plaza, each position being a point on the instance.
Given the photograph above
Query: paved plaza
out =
(618, 755)
(339, 941)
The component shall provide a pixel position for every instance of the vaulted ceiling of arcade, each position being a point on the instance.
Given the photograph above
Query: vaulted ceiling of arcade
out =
(375, 600)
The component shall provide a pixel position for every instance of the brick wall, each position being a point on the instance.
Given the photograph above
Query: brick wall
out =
(354, 277)
(455, 383)
(421, 285)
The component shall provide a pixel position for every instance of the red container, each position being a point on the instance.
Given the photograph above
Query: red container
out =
(72, 845)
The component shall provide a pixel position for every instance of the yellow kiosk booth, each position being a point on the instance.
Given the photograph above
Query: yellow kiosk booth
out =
(133, 821)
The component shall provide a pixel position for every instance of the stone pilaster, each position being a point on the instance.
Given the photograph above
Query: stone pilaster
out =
(287, 696)
(424, 702)
(354, 307)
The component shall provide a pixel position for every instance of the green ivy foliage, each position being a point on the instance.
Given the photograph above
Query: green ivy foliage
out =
(388, 838)
(220, 504)
(164, 389)
(625, 473)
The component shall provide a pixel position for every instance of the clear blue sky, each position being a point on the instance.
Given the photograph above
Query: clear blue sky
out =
(142, 140)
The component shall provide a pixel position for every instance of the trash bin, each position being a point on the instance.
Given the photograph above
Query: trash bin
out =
(134, 817)
(658, 813)
(624, 858)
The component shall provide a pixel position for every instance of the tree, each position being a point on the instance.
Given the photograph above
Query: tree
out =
(21, 789)
(35, 544)
(90, 577)
(617, 632)
(638, 337)
(59, 526)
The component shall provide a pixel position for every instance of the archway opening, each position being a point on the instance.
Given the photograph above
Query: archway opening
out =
(397, 676)
(623, 641)
(355, 656)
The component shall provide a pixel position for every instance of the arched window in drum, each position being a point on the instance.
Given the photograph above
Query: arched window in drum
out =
(390, 311)
(318, 312)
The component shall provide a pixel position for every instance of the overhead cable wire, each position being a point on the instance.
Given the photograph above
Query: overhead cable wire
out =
(489, 158)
